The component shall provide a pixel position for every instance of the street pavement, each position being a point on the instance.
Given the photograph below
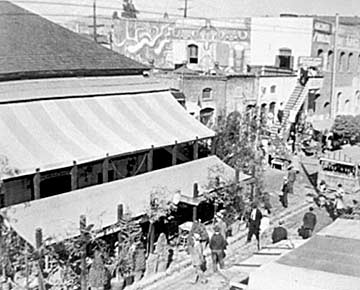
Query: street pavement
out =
(240, 251)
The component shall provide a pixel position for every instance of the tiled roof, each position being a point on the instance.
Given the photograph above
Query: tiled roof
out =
(34, 47)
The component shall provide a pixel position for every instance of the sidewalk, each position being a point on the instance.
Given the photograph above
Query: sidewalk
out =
(297, 204)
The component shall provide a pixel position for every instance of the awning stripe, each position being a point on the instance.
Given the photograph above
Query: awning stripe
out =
(52, 133)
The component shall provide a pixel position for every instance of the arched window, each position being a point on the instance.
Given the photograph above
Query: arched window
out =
(272, 89)
(330, 57)
(338, 97)
(193, 52)
(349, 61)
(341, 61)
(346, 107)
(327, 109)
(206, 94)
(320, 53)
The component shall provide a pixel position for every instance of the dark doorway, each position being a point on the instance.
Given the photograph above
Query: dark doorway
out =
(55, 185)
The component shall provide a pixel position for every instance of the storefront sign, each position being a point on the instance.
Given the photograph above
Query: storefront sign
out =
(321, 37)
(308, 61)
(323, 27)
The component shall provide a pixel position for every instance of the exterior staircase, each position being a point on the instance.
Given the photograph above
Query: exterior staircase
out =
(294, 103)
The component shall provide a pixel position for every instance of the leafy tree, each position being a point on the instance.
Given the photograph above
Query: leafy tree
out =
(347, 127)
(237, 145)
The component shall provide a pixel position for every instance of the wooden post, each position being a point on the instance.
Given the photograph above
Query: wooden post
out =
(74, 176)
(83, 274)
(120, 212)
(213, 145)
(39, 242)
(195, 195)
(196, 149)
(174, 154)
(36, 184)
(150, 157)
(2, 251)
(105, 169)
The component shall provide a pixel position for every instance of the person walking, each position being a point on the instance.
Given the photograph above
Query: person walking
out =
(279, 233)
(217, 246)
(267, 203)
(309, 223)
(291, 176)
(197, 259)
(254, 224)
(219, 221)
(280, 113)
(339, 201)
(285, 189)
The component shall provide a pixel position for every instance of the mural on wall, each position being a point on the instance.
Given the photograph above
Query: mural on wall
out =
(148, 42)
(165, 42)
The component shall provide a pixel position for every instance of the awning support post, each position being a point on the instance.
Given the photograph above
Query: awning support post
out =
(39, 242)
(36, 184)
(150, 157)
(196, 149)
(74, 176)
(195, 195)
(120, 212)
(83, 274)
(174, 154)
(105, 169)
(213, 145)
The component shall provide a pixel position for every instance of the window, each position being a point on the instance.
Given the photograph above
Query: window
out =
(327, 109)
(272, 107)
(320, 53)
(341, 61)
(193, 53)
(284, 59)
(338, 97)
(347, 106)
(349, 61)
(330, 57)
(272, 89)
(206, 94)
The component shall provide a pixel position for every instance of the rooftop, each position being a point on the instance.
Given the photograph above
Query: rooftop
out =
(34, 47)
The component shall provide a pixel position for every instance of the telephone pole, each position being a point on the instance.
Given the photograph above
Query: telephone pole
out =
(185, 9)
(95, 25)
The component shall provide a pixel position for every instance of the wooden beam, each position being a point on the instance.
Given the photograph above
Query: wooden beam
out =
(174, 153)
(237, 176)
(74, 176)
(36, 184)
(213, 145)
(195, 190)
(196, 149)
(194, 214)
(150, 157)
(105, 169)
(39, 243)
(83, 272)
(120, 212)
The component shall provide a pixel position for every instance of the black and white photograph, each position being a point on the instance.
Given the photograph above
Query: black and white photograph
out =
(179, 145)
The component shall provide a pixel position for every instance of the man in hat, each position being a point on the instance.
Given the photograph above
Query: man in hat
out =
(309, 223)
(254, 224)
(219, 221)
(217, 246)
(291, 177)
(279, 233)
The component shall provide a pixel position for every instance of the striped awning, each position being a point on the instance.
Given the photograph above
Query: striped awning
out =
(52, 133)
(99, 203)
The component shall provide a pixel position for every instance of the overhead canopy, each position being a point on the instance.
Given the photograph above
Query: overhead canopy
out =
(99, 203)
(52, 132)
(329, 260)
